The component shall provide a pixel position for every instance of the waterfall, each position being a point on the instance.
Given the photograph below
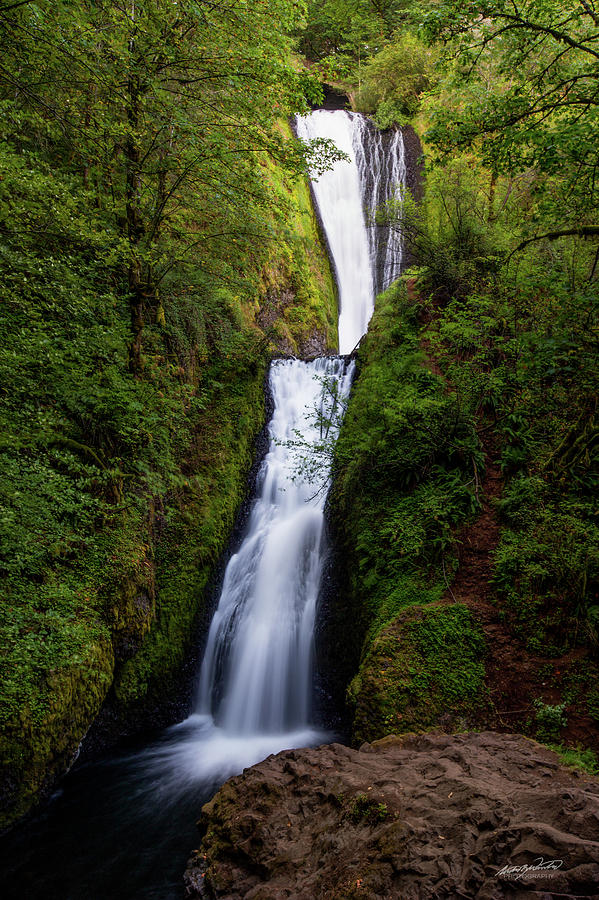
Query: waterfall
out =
(381, 162)
(137, 811)
(256, 672)
(366, 257)
(339, 198)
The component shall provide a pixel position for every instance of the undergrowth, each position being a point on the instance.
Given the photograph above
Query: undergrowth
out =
(407, 465)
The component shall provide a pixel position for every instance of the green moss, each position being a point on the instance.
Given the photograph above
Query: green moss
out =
(187, 553)
(121, 615)
(428, 662)
(38, 743)
(298, 296)
(547, 564)
(403, 484)
(549, 719)
(582, 759)
(366, 809)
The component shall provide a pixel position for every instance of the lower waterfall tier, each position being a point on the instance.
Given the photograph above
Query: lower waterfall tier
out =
(256, 674)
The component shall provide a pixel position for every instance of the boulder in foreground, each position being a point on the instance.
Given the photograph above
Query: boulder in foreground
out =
(421, 816)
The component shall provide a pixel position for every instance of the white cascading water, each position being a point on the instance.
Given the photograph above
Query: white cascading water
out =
(256, 674)
(339, 198)
(381, 161)
(367, 257)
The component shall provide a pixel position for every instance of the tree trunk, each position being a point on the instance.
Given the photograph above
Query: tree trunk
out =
(135, 225)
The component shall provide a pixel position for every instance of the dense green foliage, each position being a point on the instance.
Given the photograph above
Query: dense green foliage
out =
(519, 345)
(518, 90)
(371, 49)
(406, 461)
(338, 34)
(407, 464)
(393, 81)
(518, 368)
(577, 758)
(156, 238)
(522, 87)
(503, 302)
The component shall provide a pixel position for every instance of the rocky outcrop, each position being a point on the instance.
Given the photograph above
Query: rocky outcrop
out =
(477, 815)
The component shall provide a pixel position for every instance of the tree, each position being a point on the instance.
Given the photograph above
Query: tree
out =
(524, 89)
(151, 102)
(345, 32)
(394, 79)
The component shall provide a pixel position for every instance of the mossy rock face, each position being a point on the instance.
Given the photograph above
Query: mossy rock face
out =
(403, 487)
(130, 651)
(134, 607)
(37, 750)
(189, 549)
(423, 669)
(297, 304)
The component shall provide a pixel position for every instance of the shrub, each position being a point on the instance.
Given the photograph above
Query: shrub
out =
(549, 719)
(366, 809)
(394, 80)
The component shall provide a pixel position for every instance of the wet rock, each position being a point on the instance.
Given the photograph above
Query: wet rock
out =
(333, 98)
(410, 818)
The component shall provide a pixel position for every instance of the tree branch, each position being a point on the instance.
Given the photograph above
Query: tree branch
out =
(583, 231)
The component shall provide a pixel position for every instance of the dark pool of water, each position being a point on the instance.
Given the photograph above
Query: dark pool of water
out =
(108, 833)
(123, 829)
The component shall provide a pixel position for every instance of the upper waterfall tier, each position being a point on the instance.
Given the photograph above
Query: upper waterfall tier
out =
(366, 257)
(339, 198)
(381, 160)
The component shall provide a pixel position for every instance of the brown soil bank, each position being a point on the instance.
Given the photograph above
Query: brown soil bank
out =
(423, 816)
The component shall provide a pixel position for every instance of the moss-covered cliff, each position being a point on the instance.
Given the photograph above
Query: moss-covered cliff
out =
(297, 304)
(120, 490)
(403, 482)
(453, 515)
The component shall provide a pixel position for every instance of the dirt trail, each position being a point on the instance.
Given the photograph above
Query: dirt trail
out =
(515, 677)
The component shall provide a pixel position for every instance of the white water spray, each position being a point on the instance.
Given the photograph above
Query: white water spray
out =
(367, 257)
(381, 161)
(256, 673)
